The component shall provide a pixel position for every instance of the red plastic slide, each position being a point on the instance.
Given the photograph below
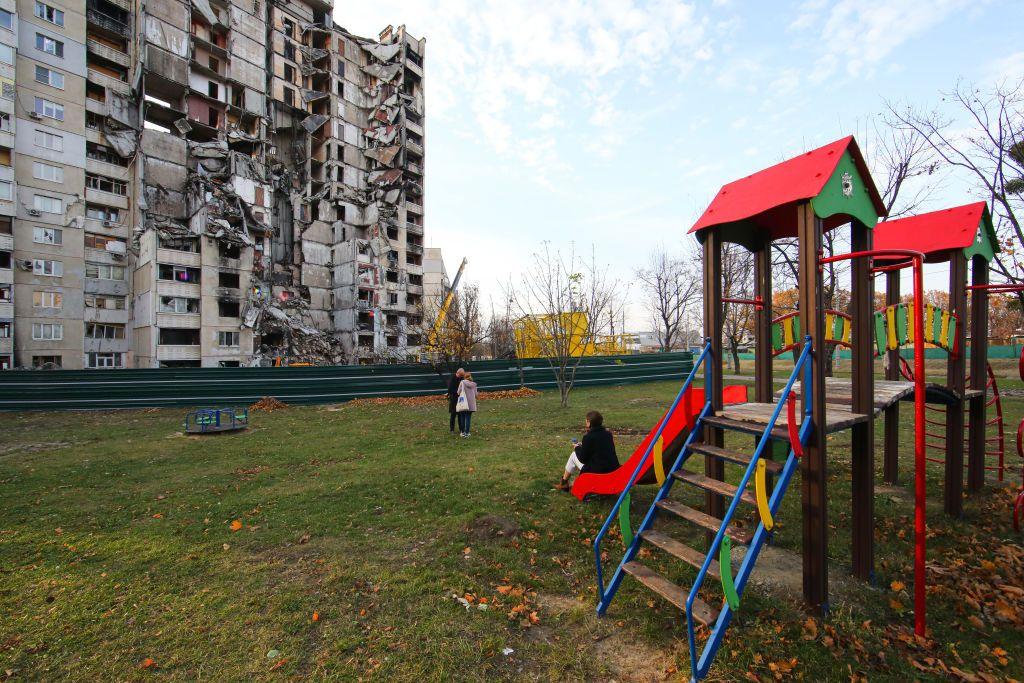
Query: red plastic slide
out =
(673, 434)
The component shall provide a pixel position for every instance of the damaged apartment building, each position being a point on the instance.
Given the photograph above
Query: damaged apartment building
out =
(207, 183)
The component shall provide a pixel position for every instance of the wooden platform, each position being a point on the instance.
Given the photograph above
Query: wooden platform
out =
(839, 393)
(837, 416)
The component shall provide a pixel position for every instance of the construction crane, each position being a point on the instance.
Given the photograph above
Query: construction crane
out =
(442, 312)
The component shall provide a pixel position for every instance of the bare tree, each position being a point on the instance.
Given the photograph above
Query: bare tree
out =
(990, 152)
(564, 303)
(901, 157)
(737, 283)
(670, 286)
(456, 332)
(501, 332)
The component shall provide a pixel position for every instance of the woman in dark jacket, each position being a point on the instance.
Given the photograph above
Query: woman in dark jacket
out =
(453, 397)
(596, 453)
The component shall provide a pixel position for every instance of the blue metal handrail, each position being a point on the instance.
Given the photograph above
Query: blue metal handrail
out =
(800, 364)
(701, 360)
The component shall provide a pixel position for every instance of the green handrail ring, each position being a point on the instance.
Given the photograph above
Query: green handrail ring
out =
(725, 569)
(624, 526)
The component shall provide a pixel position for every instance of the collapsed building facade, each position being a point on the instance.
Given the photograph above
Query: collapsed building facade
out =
(214, 183)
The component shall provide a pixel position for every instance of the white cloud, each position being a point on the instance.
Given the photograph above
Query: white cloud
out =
(1009, 69)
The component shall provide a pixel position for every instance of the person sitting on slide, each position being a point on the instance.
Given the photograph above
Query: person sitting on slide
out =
(596, 453)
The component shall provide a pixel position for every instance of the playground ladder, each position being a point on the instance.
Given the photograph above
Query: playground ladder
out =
(716, 559)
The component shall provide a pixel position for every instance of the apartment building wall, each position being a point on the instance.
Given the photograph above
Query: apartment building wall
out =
(236, 182)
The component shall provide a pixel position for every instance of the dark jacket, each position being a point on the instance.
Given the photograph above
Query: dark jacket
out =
(597, 451)
(453, 392)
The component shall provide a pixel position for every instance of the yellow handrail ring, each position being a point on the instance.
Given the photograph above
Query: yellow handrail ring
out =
(659, 464)
(761, 493)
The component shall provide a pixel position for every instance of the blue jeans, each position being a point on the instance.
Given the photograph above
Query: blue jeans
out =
(465, 418)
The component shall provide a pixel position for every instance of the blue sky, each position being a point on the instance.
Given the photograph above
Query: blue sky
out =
(613, 123)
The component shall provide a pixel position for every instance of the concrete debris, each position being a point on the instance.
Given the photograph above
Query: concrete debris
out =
(383, 72)
(383, 53)
(203, 7)
(384, 155)
(313, 122)
(313, 95)
(123, 141)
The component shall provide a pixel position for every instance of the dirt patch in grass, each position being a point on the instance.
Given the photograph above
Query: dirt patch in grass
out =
(781, 572)
(34, 447)
(631, 659)
(489, 527)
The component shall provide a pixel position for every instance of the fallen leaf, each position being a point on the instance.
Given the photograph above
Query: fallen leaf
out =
(316, 616)
(897, 586)
(236, 525)
(279, 663)
(147, 663)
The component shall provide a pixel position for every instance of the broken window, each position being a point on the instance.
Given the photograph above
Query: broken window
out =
(228, 338)
(46, 361)
(413, 340)
(106, 360)
(230, 280)
(229, 364)
(189, 244)
(392, 341)
(391, 276)
(104, 184)
(289, 73)
(213, 90)
(5, 260)
(177, 273)
(93, 241)
(289, 97)
(178, 304)
(103, 331)
(107, 214)
(228, 250)
(107, 302)
(104, 271)
(42, 299)
(178, 337)
(227, 309)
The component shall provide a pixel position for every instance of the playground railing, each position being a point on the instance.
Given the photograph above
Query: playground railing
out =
(701, 360)
(801, 367)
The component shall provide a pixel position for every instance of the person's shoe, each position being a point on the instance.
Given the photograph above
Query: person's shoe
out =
(563, 485)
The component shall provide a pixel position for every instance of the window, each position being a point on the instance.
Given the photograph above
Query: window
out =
(190, 244)
(106, 360)
(48, 268)
(102, 213)
(289, 97)
(212, 90)
(228, 338)
(5, 294)
(228, 280)
(105, 301)
(5, 329)
(50, 14)
(48, 204)
(104, 271)
(229, 364)
(101, 331)
(49, 45)
(6, 54)
(49, 141)
(178, 304)
(46, 299)
(6, 20)
(5, 260)
(228, 309)
(104, 154)
(5, 121)
(49, 77)
(393, 299)
(6, 225)
(55, 174)
(93, 241)
(6, 190)
(177, 273)
(289, 73)
(47, 331)
(229, 251)
(42, 235)
(46, 361)
(105, 184)
(50, 110)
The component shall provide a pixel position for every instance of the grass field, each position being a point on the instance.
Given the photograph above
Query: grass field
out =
(333, 542)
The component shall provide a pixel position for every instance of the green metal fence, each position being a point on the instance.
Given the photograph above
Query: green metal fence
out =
(111, 389)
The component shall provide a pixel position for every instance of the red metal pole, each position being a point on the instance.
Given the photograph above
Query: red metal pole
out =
(919, 450)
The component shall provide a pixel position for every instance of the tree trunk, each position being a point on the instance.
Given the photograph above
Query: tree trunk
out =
(734, 350)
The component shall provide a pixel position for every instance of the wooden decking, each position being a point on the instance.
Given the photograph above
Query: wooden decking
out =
(837, 416)
(839, 393)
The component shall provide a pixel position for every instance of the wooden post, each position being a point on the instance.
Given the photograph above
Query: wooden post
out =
(863, 435)
(713, 467)
(813, 465)
(979, 377)
(763, 385)
(891, 461)
(954, 494)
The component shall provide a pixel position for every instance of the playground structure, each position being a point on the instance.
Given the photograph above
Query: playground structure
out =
(803, 198)
(216, 420)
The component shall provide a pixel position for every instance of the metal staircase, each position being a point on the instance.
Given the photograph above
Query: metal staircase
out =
(716, 560)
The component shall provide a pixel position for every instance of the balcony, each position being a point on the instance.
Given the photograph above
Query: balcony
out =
(101, 50)
(415, 208)
(171, 288)
(106, 198)
(178, 258)
(123, 4)
(107, 169)
(415, 147)
(413, 67)
(6, 243)
(106, 315)
(414, 248)
(414, 289)
(106, 81)
(6, 276)
(176, 352)
(413, 125)
(363, 305)
(107, 22)
(414, 168)
(185, 321)
(414, 228)
(6, 309)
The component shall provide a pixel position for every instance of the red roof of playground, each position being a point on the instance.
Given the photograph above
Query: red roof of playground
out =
(769, 197)
(935, 232)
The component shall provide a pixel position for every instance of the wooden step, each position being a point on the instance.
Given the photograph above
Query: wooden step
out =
(692, 557)
(703, 613)
(734, 456)
(705, 520)
(713, 485)
(779, 433)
